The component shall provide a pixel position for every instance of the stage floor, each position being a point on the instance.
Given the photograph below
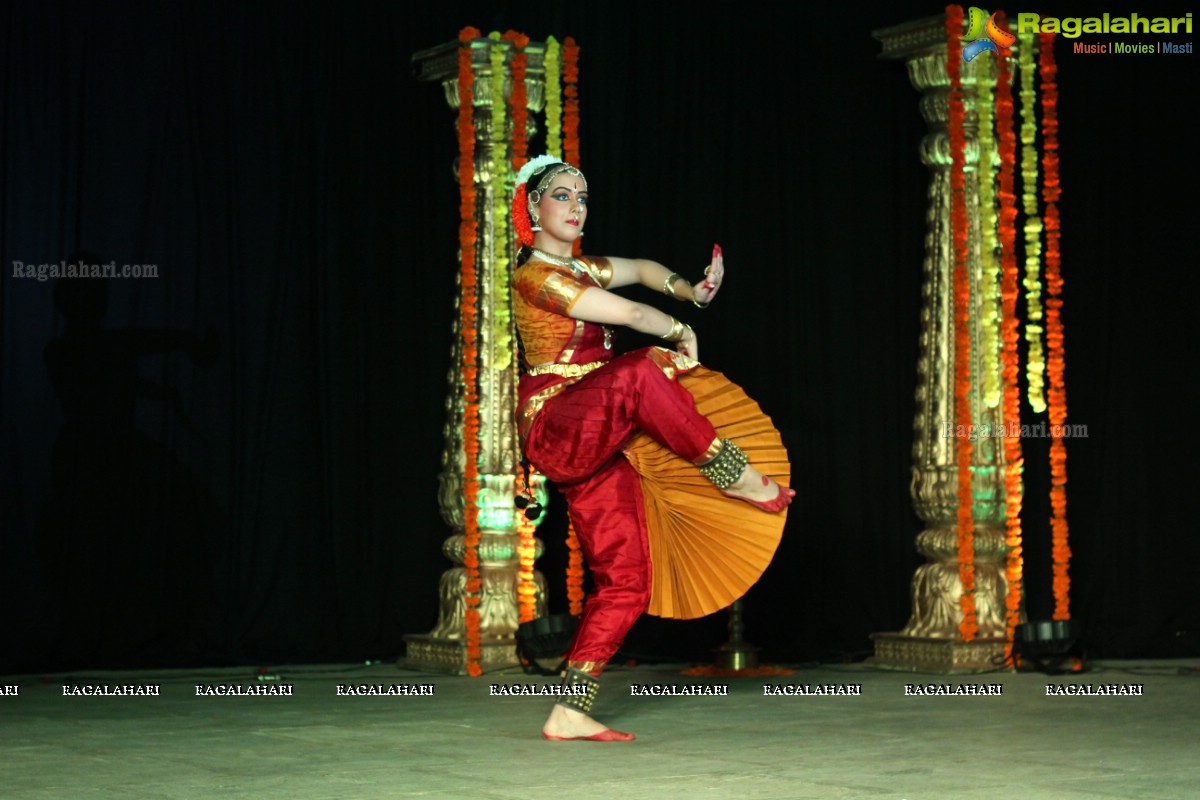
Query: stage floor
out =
(823, 732)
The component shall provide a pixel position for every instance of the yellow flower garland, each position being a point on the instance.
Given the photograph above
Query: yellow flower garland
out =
(988, 222)
(502, 318)
(1035, 365)
(553, 99)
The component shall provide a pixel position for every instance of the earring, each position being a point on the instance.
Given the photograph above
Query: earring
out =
(534, 219)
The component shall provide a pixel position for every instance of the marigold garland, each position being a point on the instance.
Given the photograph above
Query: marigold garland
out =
(502, 333)
(518, 99)
(1035, 363)
(1051, 192)
(990, 264)
(1010, 335)
(526, 555)
(468, 237)
(962, 334)
(574, 570)
(553, 99)
(570, 124)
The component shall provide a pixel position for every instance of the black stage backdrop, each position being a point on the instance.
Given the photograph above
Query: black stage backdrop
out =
(235, 461)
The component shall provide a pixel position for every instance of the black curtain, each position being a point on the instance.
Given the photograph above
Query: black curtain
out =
(235, 460)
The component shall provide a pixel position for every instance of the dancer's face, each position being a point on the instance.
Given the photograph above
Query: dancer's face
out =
(562, 208)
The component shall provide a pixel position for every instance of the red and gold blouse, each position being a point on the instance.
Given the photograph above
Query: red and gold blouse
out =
(558, 350)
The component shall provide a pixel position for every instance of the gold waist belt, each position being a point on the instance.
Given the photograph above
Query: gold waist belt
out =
(565, 370)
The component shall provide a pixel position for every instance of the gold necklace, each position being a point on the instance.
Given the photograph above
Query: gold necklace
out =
(559, 260)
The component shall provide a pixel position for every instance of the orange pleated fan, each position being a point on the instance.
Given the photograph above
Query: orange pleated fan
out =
(707, 549)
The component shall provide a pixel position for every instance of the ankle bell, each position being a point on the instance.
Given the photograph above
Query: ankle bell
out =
(727, 466)
(579, 690)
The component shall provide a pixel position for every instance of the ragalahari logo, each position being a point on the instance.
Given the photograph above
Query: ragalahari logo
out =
(984, 34)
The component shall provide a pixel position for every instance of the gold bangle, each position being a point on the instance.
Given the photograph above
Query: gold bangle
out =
(697, 303)
(669, 285)
(676, 332)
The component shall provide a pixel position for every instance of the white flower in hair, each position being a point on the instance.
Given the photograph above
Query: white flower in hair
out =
(535, 165)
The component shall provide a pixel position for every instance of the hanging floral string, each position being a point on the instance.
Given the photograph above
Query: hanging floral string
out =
(553, 99)
(468, 237)
(502, 334)
(1010, 335)
(1035, 360)
(526, 555)
(989, 289)
(962, 332)
(574, 571)
(570, 125)
(518, 107)
(518, 99)
(1051, 191)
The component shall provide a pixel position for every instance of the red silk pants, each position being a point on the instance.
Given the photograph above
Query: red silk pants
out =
(576, 441)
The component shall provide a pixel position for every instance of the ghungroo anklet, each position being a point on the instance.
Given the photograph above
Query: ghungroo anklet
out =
(728, 465)
(579, 699)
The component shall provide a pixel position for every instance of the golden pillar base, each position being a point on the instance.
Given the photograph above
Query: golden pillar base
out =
(430, 653)
(895, 651)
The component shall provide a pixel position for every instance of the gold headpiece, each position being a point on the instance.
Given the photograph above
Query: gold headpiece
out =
(536, 195)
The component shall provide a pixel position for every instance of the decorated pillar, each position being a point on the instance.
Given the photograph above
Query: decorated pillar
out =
(477, 497)
(958, 621)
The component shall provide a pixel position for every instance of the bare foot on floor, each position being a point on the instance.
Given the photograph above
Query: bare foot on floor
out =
(567, 723)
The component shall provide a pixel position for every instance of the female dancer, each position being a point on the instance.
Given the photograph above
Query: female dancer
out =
(579, 408)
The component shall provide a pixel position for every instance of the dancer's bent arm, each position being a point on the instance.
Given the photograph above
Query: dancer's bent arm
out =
(653, 275)
(606, 308)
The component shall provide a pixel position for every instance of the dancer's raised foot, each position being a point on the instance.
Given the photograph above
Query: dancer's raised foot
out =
(731, 472)
(759, 490)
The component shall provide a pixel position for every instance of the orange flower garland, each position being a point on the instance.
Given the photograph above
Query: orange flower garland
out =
(962, 332)
(526, 555)
(570, 133)
(574, 571)
(518, 99)
(518, 107)
(467, 235)
(570, 124)
(1057, 393)
(1010, 335)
